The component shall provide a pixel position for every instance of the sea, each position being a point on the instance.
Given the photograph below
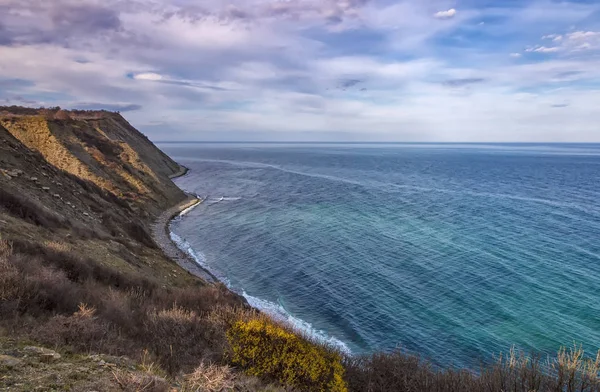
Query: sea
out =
(453, 252)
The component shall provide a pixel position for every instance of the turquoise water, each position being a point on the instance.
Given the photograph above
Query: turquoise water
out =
(455, 252)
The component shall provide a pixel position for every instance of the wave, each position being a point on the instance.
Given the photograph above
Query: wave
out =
(276, 311)
(189, 209)
(279, 313)
(220, 199)
(198, 257)
(382, 185)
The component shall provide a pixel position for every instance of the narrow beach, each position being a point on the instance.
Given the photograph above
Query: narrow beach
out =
(162, 237)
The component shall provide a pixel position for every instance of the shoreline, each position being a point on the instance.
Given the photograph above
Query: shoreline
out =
(182, 172)
(162, 235)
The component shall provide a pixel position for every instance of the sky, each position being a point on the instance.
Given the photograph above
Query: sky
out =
(313, 70)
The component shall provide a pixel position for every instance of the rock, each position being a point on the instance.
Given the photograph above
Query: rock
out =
(56, 195)
(49, 357)
(45, 188)
(9, 362)
(44, 354)
(34, 179)
(14, 172)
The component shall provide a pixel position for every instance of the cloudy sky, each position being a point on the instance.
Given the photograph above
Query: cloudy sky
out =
(357, 70)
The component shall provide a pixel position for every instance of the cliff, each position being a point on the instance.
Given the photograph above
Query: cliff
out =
(100, 147)
(88, 301)
(94, 183)
(79, 269)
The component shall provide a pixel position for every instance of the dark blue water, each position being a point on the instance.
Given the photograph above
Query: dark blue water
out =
(455, 252)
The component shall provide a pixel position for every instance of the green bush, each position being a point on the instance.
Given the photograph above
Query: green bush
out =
(269, 351)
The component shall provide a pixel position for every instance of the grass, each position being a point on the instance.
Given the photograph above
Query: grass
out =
(205, 335)
(21, 206)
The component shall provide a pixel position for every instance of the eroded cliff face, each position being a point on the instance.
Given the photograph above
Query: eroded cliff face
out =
(79, 269)
(103, 148)
(89, 182)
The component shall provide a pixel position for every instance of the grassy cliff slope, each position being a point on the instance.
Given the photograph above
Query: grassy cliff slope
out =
(88, 301)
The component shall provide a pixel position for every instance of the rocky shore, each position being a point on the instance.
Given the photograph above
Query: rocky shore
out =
(161, 235)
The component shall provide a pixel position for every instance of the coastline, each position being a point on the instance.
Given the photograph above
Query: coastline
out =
(162, 235)
(182, 172)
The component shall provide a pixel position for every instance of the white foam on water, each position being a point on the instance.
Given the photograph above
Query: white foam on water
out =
(187, 210)
(198, 257)
(279, 313)
(274, 310)
(187, 248)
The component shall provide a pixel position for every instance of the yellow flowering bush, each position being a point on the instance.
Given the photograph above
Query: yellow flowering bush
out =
(267, 350)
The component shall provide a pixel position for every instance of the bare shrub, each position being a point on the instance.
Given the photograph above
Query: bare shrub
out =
(5, 248)
(80, 270)
(200, 299)
(10, 287)
(179, 338)
(210, 378)
(140, 382)
(43, 289)
(570, 371)
(82, 331)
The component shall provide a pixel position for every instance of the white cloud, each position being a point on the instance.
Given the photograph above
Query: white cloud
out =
(570, 43)
(578, 35)
(254, 66)
(543, 49)
(148, 76)
(553, 37)
(583, 46)
(445, 14)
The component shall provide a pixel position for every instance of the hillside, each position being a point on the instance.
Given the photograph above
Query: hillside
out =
(57, 166)
(78, 196)
(100, 147)
(90, 302)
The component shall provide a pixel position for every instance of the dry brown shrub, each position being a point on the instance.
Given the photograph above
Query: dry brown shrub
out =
(5, 248)
(82, 331)
(200, 299)
(180, 338)
(58, 246)
(10, 287)
(80, 269)
(210, 378)
(140, 382)
(171, 334)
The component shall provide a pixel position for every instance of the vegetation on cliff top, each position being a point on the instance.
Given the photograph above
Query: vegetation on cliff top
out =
(80, 274)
